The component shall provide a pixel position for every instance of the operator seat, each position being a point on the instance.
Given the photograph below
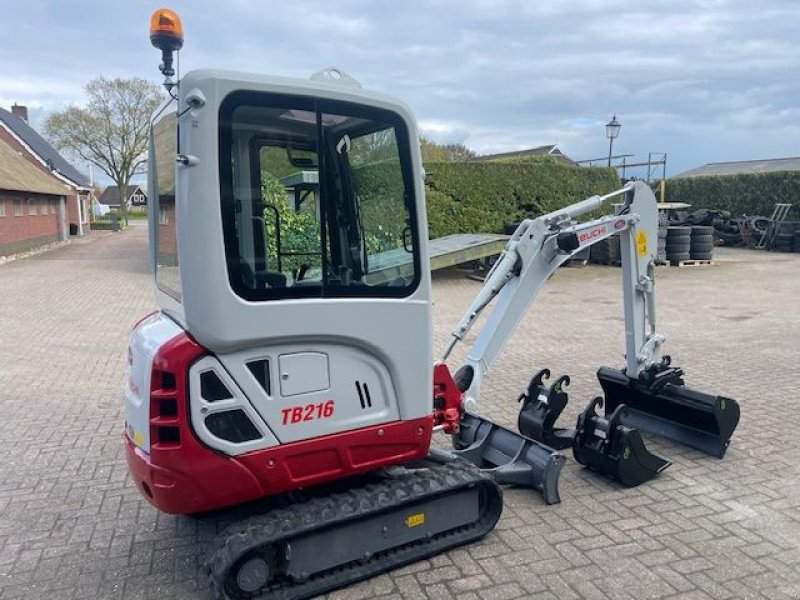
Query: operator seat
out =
(261, 279)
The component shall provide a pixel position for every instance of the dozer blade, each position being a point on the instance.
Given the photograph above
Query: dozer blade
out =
(541, 407)
(616, 451)
(662, 405)
(510, 457)
(336, 539)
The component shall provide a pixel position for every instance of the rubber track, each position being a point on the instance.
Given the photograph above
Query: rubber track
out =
(324, 512)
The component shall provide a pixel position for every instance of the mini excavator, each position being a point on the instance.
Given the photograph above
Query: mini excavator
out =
(291, 355)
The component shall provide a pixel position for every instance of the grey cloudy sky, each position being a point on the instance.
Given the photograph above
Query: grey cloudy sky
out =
(703, 81)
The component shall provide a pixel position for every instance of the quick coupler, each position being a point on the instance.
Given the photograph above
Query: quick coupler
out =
(541, 407)
(611, 448)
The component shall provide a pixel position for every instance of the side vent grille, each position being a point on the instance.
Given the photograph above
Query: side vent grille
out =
(168, 407)
(212, 389)
(363, 395)
(260, 370)
(164, 422)
(233, 426)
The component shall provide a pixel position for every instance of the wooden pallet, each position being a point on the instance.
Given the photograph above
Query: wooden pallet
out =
(659, 263)
(576, 263)
(608, 263)
(690, 263)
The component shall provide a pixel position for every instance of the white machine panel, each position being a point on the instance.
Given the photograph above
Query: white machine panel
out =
(303, 373)
(330, 388)
(222, 417)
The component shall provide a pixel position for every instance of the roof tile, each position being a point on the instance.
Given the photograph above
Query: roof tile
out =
(42, 148)
(18, 174)
(744, 166)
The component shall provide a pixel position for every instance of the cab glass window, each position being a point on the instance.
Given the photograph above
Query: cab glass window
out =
(164, 146)
(317, 198)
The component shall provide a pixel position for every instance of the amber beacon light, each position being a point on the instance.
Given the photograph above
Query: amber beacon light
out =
(166, 34)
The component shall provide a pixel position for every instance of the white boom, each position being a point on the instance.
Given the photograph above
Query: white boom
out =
(537, 248)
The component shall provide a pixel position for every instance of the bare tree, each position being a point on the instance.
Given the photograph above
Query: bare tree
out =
(433, 152)
(460, 153)
(111, 131)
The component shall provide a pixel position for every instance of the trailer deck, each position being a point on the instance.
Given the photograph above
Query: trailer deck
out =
(459, 248)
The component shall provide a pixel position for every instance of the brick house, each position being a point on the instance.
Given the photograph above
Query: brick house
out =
(551, 150)
(32, 203)
(737, 167)
(21, 137)
(135, 197)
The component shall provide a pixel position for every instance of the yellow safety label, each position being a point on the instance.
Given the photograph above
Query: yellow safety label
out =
(415, 520)
(641, 243)
(138, 438)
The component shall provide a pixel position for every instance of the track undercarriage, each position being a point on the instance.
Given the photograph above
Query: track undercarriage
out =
(336, 539)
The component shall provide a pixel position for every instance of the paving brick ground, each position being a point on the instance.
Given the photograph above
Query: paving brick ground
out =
(73, 527)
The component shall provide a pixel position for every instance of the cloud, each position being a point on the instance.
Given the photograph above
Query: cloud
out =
(703, 81)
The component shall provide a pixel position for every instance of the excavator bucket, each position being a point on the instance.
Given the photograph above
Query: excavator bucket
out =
(541, 407)
(616, 451)
(510, 457)
(659, 403)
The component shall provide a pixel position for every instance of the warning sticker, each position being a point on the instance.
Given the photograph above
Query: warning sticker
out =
(415, 520)
(641, 243)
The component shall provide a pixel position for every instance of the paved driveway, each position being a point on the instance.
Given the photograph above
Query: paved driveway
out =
(73, 526)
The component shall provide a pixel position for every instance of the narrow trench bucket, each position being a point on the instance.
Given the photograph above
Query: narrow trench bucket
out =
(509, 457)
(665, 407)
(614, 450)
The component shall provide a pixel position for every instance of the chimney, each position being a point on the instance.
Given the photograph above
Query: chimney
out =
(20, 111)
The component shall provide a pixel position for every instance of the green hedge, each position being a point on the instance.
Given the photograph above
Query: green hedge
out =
(743, 194)
(487, 197)
(106, 225)
(461, 198)
(380, 188)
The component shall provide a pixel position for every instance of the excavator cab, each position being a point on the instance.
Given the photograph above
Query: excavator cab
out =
(287, 231)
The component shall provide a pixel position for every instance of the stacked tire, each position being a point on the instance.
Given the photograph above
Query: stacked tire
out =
(783, 242)
(678, 243)
(663, 222)
(607, 251)
(701, 246)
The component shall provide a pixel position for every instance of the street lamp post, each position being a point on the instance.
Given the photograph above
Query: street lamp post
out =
(612, 131)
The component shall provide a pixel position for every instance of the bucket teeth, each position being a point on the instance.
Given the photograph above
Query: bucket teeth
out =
(541, 407)
(614, 450)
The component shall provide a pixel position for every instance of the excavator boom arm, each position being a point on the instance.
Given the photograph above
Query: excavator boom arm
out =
(536, 249)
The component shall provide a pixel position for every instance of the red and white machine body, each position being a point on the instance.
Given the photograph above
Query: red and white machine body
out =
(293, 344)
(254, 379)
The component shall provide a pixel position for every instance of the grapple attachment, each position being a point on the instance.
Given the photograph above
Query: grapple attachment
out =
(541, 407)
(659, 403)
(613, 449)
(510, 457)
